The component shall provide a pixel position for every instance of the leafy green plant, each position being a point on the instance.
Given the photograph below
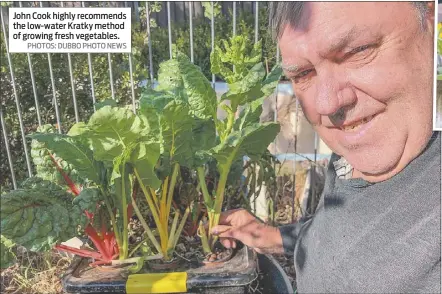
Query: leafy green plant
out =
(7, 256)
(187, 94)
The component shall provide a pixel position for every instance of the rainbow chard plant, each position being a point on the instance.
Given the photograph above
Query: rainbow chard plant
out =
(102, 153)
(248, 86)
(185, 95)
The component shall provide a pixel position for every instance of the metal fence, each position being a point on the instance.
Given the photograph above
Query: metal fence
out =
(135, 9)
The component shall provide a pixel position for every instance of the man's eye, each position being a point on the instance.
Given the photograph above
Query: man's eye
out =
(303, 74)
(359, 49)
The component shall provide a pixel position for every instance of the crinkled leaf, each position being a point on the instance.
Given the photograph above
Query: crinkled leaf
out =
(74, 152)
(251, 141)
(249, 115)
(238, 54)
(152, 104)
(39, 217)
(272, 80)
(217, 66)
(176, 126)
(88, 199)
(201, 95)
(170, 80)
(144, 158)
(247, 89)
(112, 129)
(204, 135)
(7, 257)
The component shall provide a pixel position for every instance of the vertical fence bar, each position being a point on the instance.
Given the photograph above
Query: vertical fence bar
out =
(149, 42)
(17, 102)
(8, 152)
(91, 75)
(54, 94)
(234, 18)
(234, 24)
(212, 27)
(134, 107)
(170, 29)
(191, 30)
(137, 12)
(71, 74)
(109, 60)
(54, 91)
(34, 88)
(256, 20)
(111, 78)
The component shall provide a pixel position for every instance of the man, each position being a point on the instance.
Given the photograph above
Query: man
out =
(363, 73)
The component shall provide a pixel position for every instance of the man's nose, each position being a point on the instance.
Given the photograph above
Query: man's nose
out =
(333, 93)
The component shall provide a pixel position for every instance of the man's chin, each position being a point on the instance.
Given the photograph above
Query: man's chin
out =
(375, 166)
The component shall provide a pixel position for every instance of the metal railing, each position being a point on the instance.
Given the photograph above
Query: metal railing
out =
(151, 75)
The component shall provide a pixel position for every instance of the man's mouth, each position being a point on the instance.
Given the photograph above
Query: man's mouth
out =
(356, 125)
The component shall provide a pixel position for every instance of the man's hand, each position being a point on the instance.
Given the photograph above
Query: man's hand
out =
(240, 225)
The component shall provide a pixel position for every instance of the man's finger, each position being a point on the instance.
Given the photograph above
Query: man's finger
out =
(228, 243)
(224, 218)
(222, 231)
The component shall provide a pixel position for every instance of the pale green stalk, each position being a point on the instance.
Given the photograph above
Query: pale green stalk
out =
(125, 247)
(145, 226)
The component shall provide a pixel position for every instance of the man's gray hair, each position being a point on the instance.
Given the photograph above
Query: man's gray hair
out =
(282, 13)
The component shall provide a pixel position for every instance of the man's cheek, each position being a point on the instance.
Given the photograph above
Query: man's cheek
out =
(308, 107)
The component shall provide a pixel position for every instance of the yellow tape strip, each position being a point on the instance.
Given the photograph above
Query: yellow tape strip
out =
(157, 283)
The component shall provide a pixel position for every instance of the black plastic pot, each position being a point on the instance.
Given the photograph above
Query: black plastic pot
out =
(275, 280)
(233, 276)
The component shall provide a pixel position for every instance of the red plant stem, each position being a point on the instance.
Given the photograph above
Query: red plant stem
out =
(68, 180)
(98, 242)
(79, 252)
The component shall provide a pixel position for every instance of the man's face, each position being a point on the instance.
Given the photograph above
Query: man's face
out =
(363, 73)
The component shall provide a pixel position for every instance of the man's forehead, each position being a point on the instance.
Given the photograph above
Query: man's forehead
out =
(330, 26)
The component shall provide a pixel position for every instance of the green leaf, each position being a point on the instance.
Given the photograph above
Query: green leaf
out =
(88, 199)
(7, 257)
(144, 158)
(217, 66)
(176, 126)
(248, 89)
(39, 215)
(113, 129)
(74, 152)
(78, 129)
(249, 115)
(272, 80)
(106, 102)
(152, 104)
(251, 141)
(201, 96)
(170, 80)
(204, 135)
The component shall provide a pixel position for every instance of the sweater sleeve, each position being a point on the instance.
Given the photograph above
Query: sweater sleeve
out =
(290, 234)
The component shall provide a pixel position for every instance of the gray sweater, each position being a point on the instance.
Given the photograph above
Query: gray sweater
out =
(373, 238)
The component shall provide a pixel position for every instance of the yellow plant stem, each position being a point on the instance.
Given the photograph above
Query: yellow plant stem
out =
(164, 217)
(146, 227)
(176, 169)
(152, 207)
(204, 241)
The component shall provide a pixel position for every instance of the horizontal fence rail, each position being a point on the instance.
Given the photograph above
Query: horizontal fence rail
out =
(170, 14)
